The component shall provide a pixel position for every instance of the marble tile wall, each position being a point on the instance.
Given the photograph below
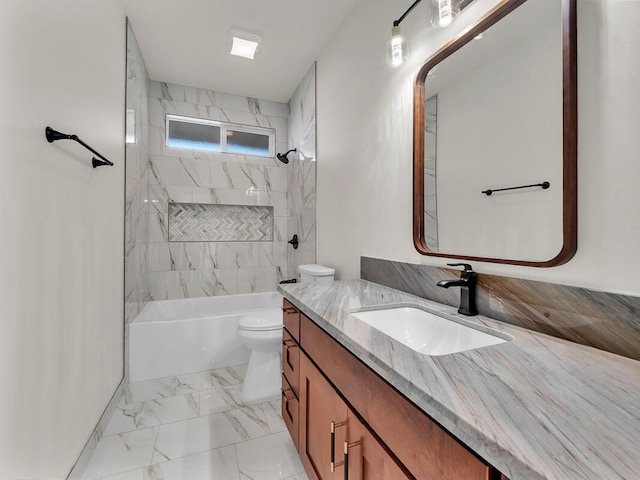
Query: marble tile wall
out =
(603, 320)
(301, 175)
(136, 183)
(194, 269)
(430, 184)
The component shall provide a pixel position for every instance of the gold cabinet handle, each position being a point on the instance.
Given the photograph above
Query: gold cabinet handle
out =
(288, 345)
(347, 446)
(286, 402)
(289, 310)
(284, 394)
(333, 463)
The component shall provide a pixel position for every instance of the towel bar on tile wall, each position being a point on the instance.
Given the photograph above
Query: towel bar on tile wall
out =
(53, 135)
(543, 185)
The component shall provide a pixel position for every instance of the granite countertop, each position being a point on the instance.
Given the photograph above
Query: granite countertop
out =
(536, 407)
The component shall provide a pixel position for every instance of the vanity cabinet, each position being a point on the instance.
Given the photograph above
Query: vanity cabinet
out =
(388, 437)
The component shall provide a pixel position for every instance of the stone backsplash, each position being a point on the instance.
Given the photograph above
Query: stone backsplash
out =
(603, 320)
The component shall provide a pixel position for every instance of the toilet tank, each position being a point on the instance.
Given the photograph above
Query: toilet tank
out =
(313, 273)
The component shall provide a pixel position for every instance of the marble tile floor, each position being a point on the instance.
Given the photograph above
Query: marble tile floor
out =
(194, 427)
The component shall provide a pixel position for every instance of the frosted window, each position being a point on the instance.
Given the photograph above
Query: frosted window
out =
(246, 143)
(197, 136)
(200, 134)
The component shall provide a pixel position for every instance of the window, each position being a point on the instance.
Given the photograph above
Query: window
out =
(185, 132)
(200, 134)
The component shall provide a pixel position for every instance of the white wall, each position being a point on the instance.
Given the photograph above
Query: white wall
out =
(365, 143)
(61, 280)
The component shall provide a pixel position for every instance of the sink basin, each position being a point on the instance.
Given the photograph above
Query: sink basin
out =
(426, 332)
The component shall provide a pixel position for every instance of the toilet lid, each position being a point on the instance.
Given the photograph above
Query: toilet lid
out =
(267, 319)
(316, 270)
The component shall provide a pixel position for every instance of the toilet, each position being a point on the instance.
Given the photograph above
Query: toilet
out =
(261, 332)
(315, 273)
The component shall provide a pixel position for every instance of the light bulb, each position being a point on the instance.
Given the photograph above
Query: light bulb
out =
(396, 48)
(444, 12)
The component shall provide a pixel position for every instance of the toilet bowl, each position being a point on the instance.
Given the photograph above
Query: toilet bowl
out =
(261, 332)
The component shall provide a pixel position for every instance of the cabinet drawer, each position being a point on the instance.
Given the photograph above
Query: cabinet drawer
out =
(291, 319)
(397, 422)
(290, 410)
(291, 361)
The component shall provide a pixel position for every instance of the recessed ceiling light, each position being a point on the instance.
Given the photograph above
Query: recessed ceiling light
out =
(244, 44)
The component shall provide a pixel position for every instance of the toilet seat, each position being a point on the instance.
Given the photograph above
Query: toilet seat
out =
(267, 320)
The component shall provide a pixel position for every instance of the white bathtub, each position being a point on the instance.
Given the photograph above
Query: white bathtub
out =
(174, 337)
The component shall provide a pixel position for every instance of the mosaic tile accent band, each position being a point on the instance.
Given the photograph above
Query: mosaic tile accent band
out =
(200, 222)
(603, 320)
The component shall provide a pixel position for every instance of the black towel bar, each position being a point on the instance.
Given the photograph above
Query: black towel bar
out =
(543, 185)
(53, 135)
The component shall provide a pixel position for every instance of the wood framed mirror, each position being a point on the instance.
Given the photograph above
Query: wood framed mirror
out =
(494, 109)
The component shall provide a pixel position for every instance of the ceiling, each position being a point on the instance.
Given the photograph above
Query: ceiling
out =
(187, 42)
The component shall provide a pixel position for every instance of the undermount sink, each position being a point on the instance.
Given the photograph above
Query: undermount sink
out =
(426, 332)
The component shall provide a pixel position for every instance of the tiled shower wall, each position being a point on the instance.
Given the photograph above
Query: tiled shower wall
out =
(197, 269)
(302, 173)
(136, 184)
(430, 184)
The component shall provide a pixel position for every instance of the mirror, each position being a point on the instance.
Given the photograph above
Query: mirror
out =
(495, 109)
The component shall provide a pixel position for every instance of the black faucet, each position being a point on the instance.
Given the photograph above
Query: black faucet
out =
(467, 282)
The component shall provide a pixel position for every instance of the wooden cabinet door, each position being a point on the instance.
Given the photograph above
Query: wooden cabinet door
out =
(367, 459)
(320, 405)
(291, 361)
(291, 319)
(290, 411)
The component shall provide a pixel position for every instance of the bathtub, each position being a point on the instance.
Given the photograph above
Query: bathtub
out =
(175, 337)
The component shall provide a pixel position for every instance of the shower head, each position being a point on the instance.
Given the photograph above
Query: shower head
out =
(283, 156)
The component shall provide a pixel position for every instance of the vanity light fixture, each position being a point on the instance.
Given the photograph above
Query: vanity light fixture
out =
(244, 44)
(444, 12)
(396, 47)
(397, 44)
